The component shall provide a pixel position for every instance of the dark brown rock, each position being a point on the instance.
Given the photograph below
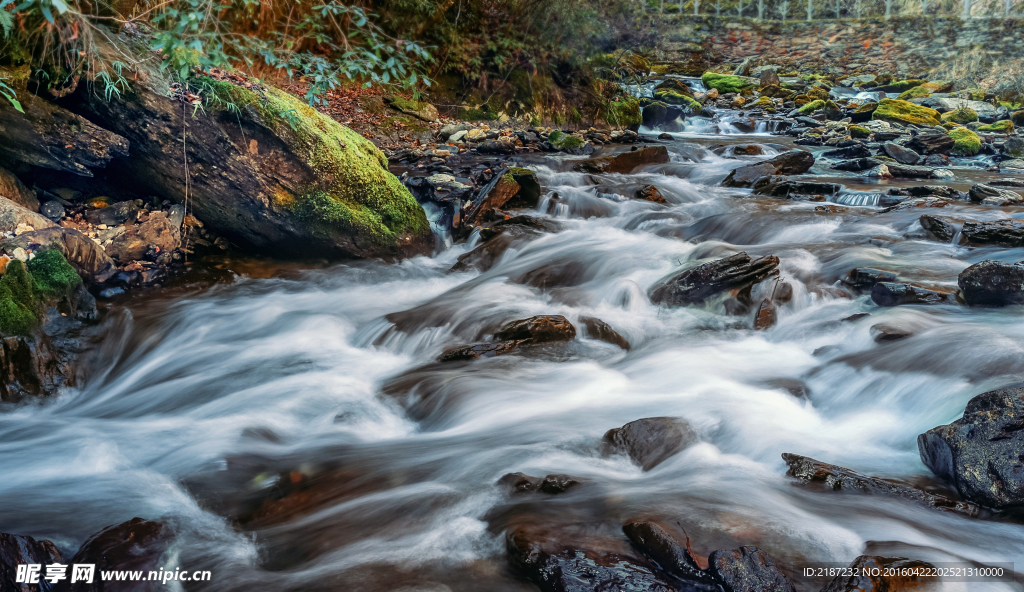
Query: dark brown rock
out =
(649, 193)
(745, 176)
(625, 162)
(651, 441)
(837, 478)
(992, 283)
(480, 350)
(89, 259)
(538, 329)
(747, 569)
(883, 574)
(1007, 233)
(932, 142)
(114, 214)
(793, 162)
(767, 315)
(529, 192)
(133, 545)
(941, 228)
(696, 284)
(895, 294)
(32, 366)
(600, 330)
(797, 189)
(493, 196)
(660, 543)
(24, 550)
(497, 241)
(156, 233)
(13, 189)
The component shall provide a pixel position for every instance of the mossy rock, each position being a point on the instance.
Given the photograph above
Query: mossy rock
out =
(905, 113)
(26, 291)
(811, 107)
(624, 113)
(673, 97)
(726, 83)
(818, 93)
(52, 275)
(966, 142)
(901, 86)
(564, 141)
(857, 131)
(1001, 127)
(963, 115)
(802, 100)
(866, 108)
(918, 92)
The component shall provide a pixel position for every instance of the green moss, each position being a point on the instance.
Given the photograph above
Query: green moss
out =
(725, 83)
(625, 113)
(857, 131)
(18, 308)
(901, 86)
(673, 97)
(866, 108)
(811, 107)
(918, 92)
(535, 121)
(903, 112)
(818, 93)
(520, 171)
(966, 142)
(1003, 127)
(476, 115)
(564, 141)
(961, 115)
(52, 276)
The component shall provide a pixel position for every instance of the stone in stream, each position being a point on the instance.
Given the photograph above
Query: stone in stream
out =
(498, 239)
(878, 172)
(901, 154)
(895, 294)
(866, 277)
(837, 478)
(659, 542)
(602, 331)
(747, 569)
(992, 283)
(907, 171)
(936, 190)
(850, 152)
(88, 258)
(872, 573)
(698, 283)
(1007, 232)
(529, 192)
(792, 189)
(882, 333)
(135, 545)
(538, 329)
(931, 142)
(624, 162)
(857, 164)
(793, 162)
(479, 350)
(572, 559)
(941, 228)
(992, 196)
(551, 484)
(649, 193)
(918, 202)
(24, 550)
(767, 315)
(489, 199)
(745, 176)
(980, 453)
(652, 440)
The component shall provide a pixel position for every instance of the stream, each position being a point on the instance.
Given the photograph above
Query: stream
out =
(202, 400)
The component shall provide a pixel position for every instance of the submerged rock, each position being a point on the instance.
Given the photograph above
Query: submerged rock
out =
(792, 189)
(992, 283)
(696, 284)
(837, 478)
(651, 441)
(600, 330)
(895, 294)
(980, 453)
(649, 193)
(551, 484)
(514, 335)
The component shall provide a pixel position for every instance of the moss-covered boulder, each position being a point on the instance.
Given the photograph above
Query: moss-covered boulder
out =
(966, 142)
(726, 83)
(962, 116)
(905, 113)
(918, 92)
(1000, 127)
(859, 132)
(567, 142)
(624, 113)
(26, 291)
(265, 170)
(671, 96)
(900, 86)
(818, 93)
(811, 107)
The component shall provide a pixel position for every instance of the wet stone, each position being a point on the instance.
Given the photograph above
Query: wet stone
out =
(651, 441)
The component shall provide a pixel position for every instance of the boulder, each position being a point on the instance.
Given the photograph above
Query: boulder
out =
(793, 162)
(114, 214)
(602, 331)
(649, 193)
(871, 573)
(624, 162)
(417, 109)
(858, 164)
(745, 176)
(273, 174)
(941, 228)
(538, 329)
(793, 189)
(1007, 233)
(156, 235)
(836, 478)
(491, 197)
(992, 283)
(50, 137)
(13, 189)
(895, 294)
(13, 215)
(24, 550)
(980, 453)
(651, 441)
(568, 560)
(33, 365)
(137, 544)
(992, 196)
(905, 113)
(529, 192)
(867, 277)
(901, 154)
(747, 569)
(849, 152)
(769, 78)
(88, 258)
(661, 544)
(698, 283)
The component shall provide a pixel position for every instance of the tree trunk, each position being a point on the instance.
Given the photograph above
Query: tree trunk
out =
(967, 9)
(810, 10)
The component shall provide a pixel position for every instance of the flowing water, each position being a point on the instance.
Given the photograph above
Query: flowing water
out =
(201, 404)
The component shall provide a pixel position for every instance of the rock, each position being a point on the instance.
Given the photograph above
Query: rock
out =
(658, 542)
(984, 110)
(918, 202)
(498, 241)
(901, 154)
(905, 113)
(24, 550)
(776, 92)
(52, 210)
(696, 284)
(555, 484)
(941, 228)
(50, 137)
(725, 83)
(538, 329)
(858, 164)
(87, 257)
(450, 129)
(931, 142)
(855, 151)
(529, 192)
(496, 147)
(992, 283)
(907, 171)
(625, 162)
(1015, 165)
(602, 331)
(882, 574)
(651, 441)
(649, 193)
(883, 333)
(1006, 233)
(936, 160)
(894, 294)
(793, 162)
(980, 453)
(867, 277)
(309, 187)
(938, 190)
(747, 569)
(115, 214)
(490, 198)
(840, 479)
(878, 172)
(991, 196)
(176, 214)
(745, 176)
(1013, 147)
(769, 78)
(479, 350)
(13, 189)
(417, 109)
(565, 560)
(767, 315)
(137, 240)
(13, 215)
(133, 545)
(790, 189)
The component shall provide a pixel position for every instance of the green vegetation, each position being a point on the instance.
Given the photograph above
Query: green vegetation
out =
(811, 107)
(564, 141)
(962, 115)
(901, 86)
(918, 92)
(725, 83)
(857, 131)
(25, 292)
(52, 276)
(902, 112)
(624, 112)
(674, 97)
(866, 108)
(1003, 127)
(967, 143)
